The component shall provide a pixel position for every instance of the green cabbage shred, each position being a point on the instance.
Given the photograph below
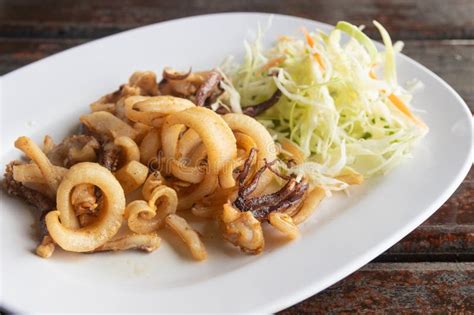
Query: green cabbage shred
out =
(338, 115)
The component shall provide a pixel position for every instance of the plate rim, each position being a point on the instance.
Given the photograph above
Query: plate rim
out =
(311, 287)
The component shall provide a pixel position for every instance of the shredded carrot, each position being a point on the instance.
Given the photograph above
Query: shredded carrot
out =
(372, 74)
(308, 37)
(311, 44)
(318, 59)
(405, 110)
(271, 63)
(401, 105)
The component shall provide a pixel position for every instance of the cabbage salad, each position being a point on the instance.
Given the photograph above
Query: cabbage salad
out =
(341, 103)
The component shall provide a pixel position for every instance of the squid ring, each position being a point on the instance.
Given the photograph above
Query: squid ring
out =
(207, 124)
(151, 110)
(129, 148)
(226, 176)
(260, 135)
(219, 150)
(284, 223)
(153, 180)
(188, 143)
(146, 217)
(150, 145)
(310, 203)
(262, 138)
(67, 232)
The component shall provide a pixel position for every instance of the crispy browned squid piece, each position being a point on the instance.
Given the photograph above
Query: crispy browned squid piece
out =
(285, 199)
(208, 87)
(199, 87)
(257, 109)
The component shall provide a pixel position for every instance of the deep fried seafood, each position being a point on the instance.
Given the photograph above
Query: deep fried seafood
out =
(242, 229)
(208, 87)
(145, 242)
(188, 235)
(72, 150)
(285, 199)
(67, 233)
(107, 124)
(257, 109)
(184, 145)
(146, 217)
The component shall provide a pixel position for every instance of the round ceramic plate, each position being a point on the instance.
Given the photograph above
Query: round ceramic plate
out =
(346, 232)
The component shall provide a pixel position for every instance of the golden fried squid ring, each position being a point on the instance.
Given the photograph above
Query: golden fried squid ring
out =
(292, 150)
(107, 124)
(170, 139)
(245, 143)
(284, 223)
(262, 138)
(189, 170)
(146, 242)
(151, 110)
(153, 180)
(207, 124)
(312, 200)
(188, 142)
(142, 130)
(149, 146)
(174, 164)
(219, 149)
(188, 235)
(146, 217)
(128, 148)
(242, 229)
(226, 178)
(211, 206)
(191, 174)
(67, 232)
(49, 172)
(190, 195)
(199, 155)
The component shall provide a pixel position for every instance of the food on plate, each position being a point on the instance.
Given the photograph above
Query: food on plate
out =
(241, 145)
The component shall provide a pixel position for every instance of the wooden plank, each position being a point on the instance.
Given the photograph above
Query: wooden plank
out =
(435, 19)
(15, 53)
(397, 288)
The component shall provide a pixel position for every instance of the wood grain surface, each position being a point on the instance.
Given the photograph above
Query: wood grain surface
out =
(432, 269)
(397, 288)
(407, 19)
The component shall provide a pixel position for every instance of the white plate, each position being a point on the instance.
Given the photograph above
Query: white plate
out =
(346, 232)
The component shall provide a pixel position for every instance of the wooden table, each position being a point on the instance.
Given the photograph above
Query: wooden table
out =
(430, 270)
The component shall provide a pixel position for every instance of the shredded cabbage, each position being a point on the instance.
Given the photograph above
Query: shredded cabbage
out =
(339, 115)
